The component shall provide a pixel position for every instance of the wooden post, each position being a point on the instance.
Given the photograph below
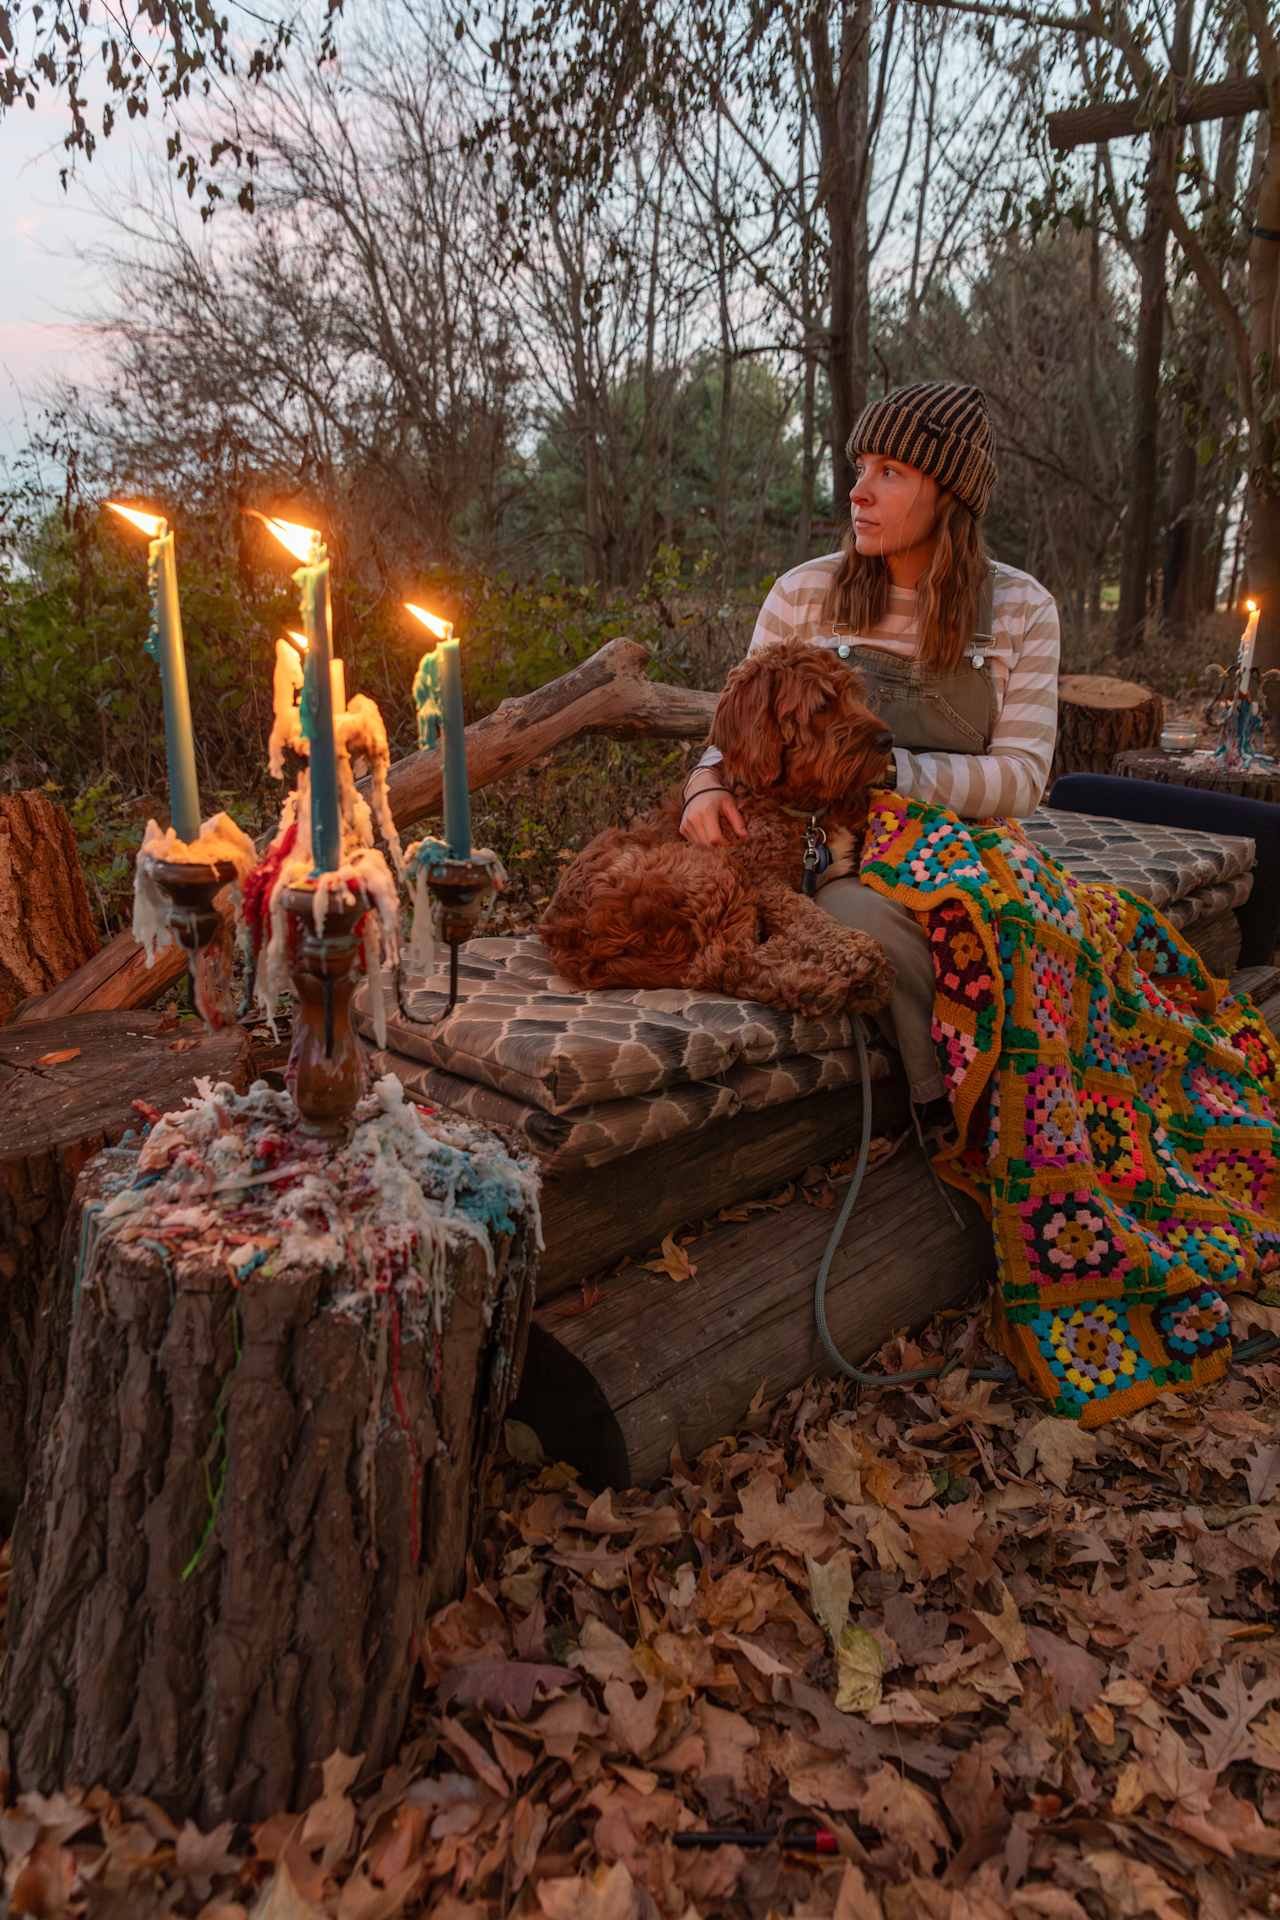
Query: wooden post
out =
(67, 1088)
(252, 1492)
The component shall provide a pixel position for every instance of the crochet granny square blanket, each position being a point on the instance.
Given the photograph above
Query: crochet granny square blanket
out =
(1116, 1109)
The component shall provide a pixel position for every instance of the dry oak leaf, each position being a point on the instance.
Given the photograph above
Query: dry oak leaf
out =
(855, 1900)
(1077, 1675)
(503, 1686)
(675, 1262)
(60, 1056)
(1006, 1627)
(1224, 1709)
(280, 1900)
(1230, 1826)
(633, 1719)
(609, 1894)
(800, 1524)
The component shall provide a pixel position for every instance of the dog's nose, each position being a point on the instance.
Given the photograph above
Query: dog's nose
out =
(884, 740)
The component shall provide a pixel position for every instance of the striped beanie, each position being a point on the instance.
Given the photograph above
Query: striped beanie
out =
(944, 430)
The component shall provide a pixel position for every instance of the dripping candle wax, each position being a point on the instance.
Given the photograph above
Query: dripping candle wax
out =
(305, 544)
(437, 696)
(164, 644)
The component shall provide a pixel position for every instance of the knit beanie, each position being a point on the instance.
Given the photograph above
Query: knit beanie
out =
(944, 430)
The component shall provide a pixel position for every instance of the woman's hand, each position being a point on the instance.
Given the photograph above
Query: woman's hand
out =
(708, 818)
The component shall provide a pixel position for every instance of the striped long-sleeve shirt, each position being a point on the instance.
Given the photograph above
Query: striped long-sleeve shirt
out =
(1010, 777)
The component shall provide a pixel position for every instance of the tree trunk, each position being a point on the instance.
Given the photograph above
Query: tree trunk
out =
(46, 928)
(248, 1500)
(1263, 498)
(1098, 718)
(841, 86)
(54, 1115)
(1144, 448)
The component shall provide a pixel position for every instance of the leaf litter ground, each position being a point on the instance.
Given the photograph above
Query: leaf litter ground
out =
(1017, 1668)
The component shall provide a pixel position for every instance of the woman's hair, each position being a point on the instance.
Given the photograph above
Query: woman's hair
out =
(858, 597)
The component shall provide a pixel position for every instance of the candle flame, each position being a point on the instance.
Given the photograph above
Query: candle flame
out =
(299, 640)
(301, 542)
(1251, 606)
(442, 629)
(150, 523)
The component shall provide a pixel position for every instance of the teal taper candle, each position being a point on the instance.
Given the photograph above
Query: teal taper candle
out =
(316, 705)
(437, 695)
(164, 644)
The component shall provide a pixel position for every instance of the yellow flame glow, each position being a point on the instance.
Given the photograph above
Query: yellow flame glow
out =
(1251, 606)
(301, 542)
(299, 640)
(150, 523)
(442, 629)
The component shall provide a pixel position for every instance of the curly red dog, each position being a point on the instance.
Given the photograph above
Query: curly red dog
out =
(640, 907)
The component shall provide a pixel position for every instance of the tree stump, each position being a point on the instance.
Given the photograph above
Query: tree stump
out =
(55, 1113)
(1099, 717)
(287, 1367)
(46, 928)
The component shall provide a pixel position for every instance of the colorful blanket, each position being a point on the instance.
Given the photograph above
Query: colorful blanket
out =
(1116, 1105)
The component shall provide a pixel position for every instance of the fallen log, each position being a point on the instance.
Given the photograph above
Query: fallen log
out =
(652, 1364)
(607, 694)
(67, 1088)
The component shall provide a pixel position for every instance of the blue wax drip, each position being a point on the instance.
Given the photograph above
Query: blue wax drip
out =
(429, 856)
(426, 699)
(151, 645)
(308, 713)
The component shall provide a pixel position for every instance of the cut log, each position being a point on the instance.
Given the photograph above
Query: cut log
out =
(676, 1364)
(249, 1498)
(607, 694)
(46, 927)
(593, 1217)
(1099, 717)
(55, 1113)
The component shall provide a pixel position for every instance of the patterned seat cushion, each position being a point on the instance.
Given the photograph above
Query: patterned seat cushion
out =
(607, 1130)
(522, 1030)
(1170, 866)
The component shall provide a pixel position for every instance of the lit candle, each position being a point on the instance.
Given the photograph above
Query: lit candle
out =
(1248, 640)
(437, 695)
(317, 688)
(164, 644)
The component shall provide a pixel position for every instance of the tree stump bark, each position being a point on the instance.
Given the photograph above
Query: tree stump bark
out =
(1099, 717)
(46, 927)
(250, 1494)
(55, 1114)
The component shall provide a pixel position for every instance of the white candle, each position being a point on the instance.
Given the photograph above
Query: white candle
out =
(1248, 640)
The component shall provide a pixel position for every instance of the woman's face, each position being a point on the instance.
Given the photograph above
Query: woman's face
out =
(894, 507)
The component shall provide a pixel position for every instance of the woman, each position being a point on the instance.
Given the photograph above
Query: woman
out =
(959, 652)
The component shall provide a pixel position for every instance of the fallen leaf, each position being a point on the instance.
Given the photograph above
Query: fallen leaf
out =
(59, 1057)
(1057, 1447)
(675, 1262)
(504, 1686)
(182, 1046)
(609, 1894)
(831, 1589)
(280, 1900)
(859, 1667)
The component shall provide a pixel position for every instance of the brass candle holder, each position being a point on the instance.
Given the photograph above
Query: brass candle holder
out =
(326, 1070)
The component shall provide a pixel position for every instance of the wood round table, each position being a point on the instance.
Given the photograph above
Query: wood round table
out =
(1200, 769)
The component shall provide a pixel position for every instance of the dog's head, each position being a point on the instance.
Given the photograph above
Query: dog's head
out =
(793, 723)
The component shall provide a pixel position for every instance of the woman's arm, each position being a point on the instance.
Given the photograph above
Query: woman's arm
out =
(1010, 778)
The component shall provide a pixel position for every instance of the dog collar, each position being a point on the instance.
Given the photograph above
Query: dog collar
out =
(817, 854)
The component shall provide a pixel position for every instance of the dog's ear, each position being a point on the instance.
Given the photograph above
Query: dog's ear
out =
(745, 727)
